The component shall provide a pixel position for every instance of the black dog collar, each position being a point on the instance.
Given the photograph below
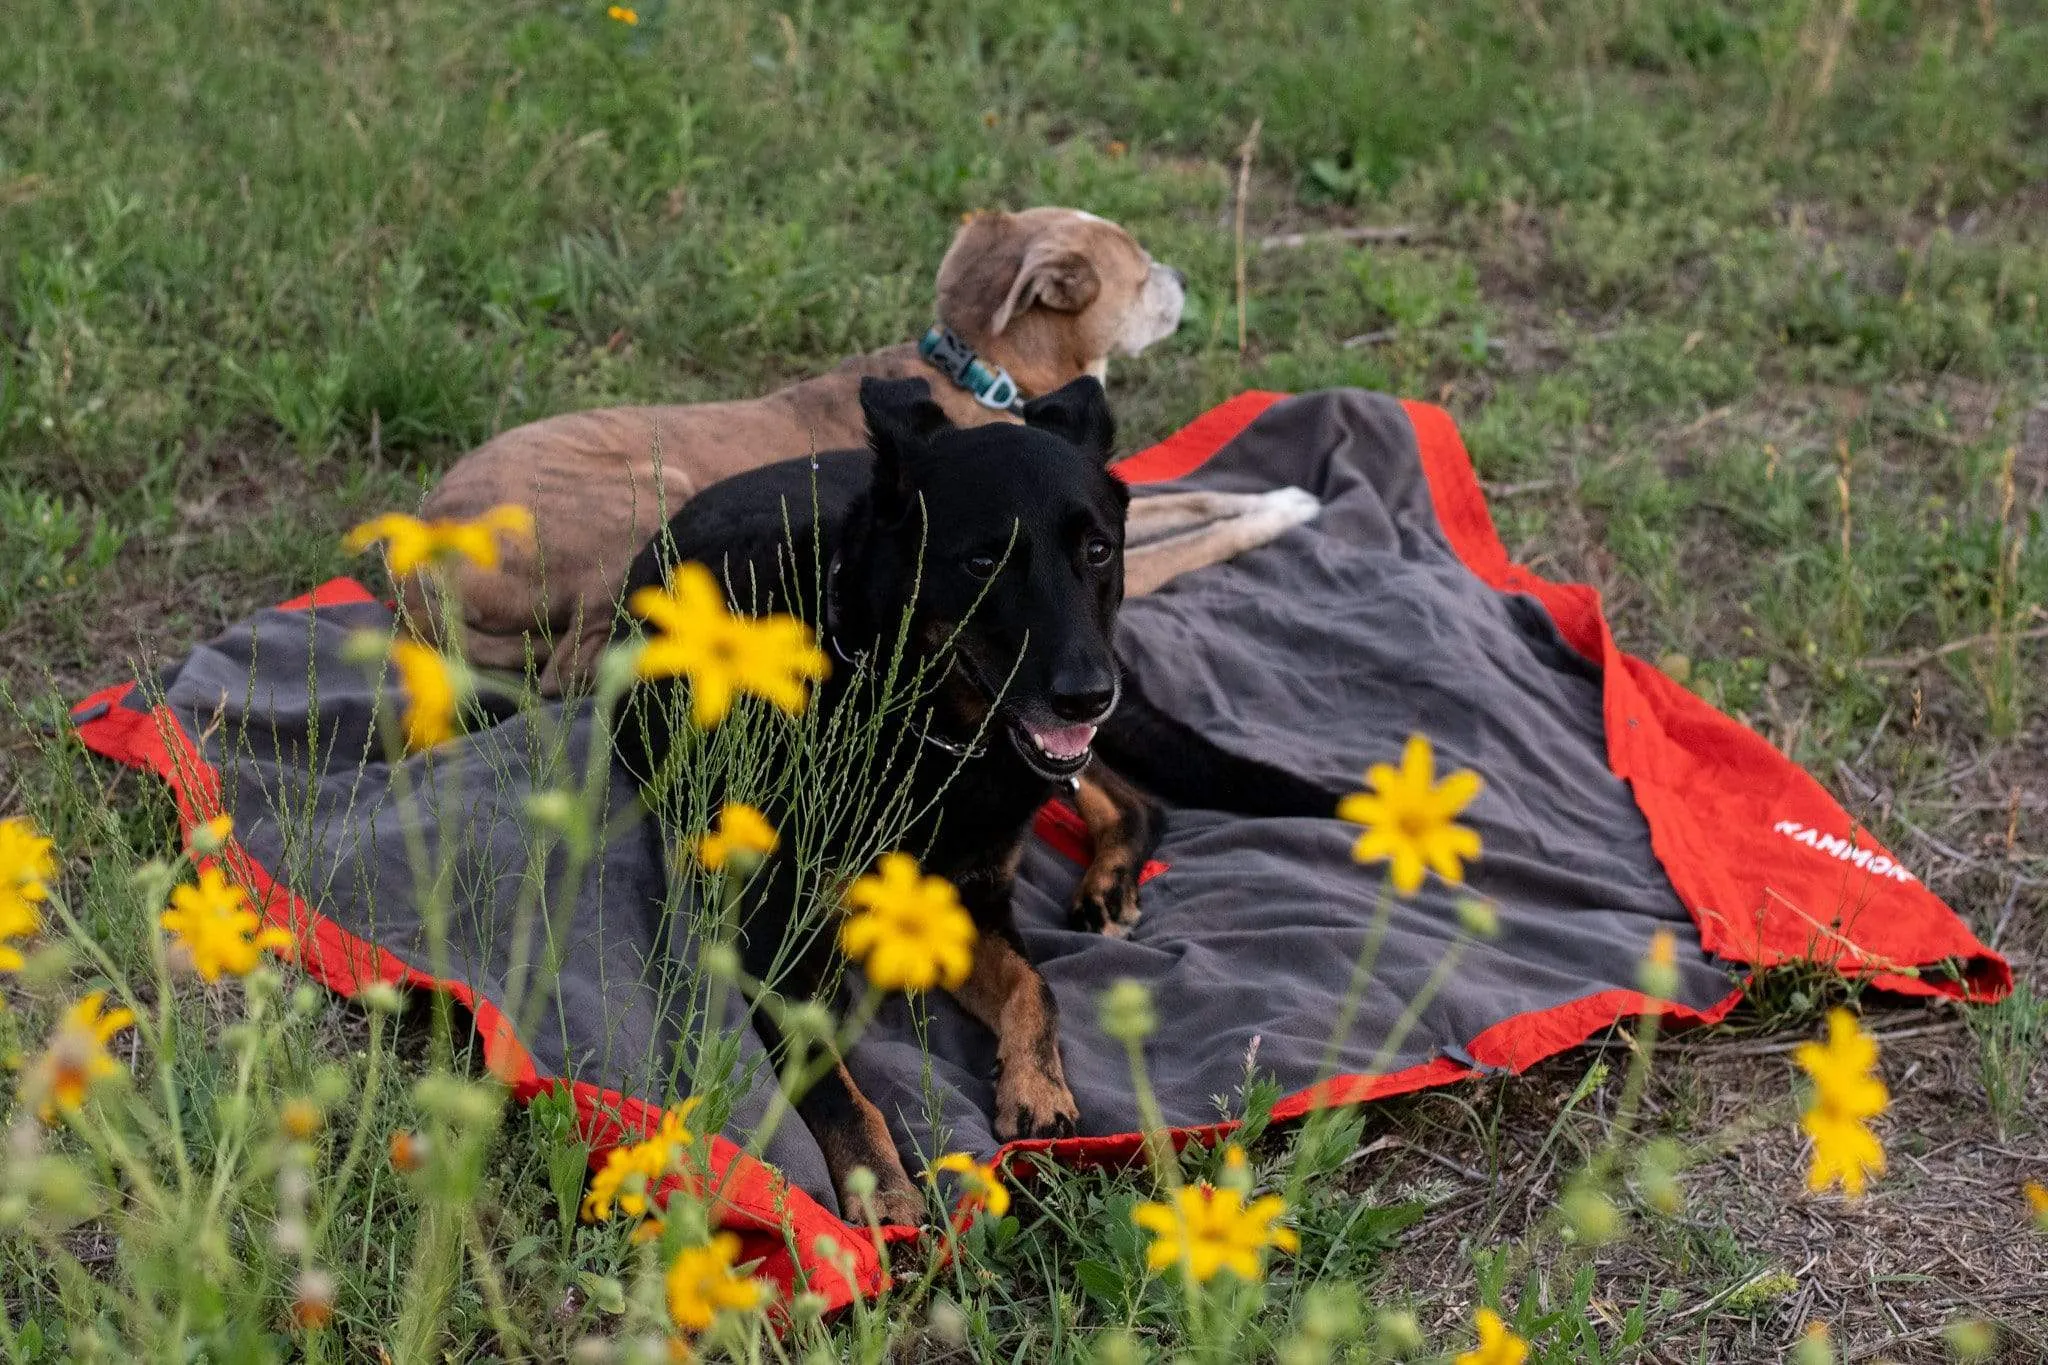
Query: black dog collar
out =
(991, 385)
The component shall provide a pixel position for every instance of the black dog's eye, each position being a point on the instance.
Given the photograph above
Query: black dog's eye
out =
(1098, 552)
(982, 566)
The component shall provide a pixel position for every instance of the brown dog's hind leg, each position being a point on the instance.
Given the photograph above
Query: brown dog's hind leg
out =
(1169, 534)
(1006, 993)
(1124, 825)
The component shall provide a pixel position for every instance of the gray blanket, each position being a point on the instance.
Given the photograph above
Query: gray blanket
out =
(1321, 652)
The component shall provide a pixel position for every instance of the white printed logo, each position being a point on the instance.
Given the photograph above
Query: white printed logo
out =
(1877, 864)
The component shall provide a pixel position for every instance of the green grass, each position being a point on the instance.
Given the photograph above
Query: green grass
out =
(1741, 310)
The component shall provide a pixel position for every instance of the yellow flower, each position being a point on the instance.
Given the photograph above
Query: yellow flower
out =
(1409, 818)
(26, 866)
(910, 932)
(411, 544)
(985, 1190)
(216, 927)
(623, 15)
(1659, 974)
(1498, 1344)
(2037, 1200)
(433, 690)
(742, 834)
(632, 1170)
(702, 1284)
(694, 636)
(76, 1058)
(1209, 1230)
(1845, 1094)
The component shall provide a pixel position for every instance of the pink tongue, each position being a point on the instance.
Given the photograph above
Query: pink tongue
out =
(1063, 741)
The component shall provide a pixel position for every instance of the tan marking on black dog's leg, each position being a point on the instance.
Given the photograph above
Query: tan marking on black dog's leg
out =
(1005, 992)
(852, 1133)
(1124, 826)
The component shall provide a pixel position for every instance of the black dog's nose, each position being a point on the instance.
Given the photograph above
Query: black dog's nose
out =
(1178, 277)
(1082, 692)
(1083, 707)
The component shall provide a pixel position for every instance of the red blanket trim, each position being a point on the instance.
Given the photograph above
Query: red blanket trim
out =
(1696, 774)
(1189, 448)
(1772, 868)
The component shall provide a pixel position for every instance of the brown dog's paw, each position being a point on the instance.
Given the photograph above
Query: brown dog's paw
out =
(1107, 900)
(892, 1204)
(1030, 1103)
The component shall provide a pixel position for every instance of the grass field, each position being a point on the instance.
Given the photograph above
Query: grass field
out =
(1739, 305)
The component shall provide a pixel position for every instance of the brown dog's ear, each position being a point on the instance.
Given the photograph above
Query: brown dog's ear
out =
(901, 420)
(1077, 412)
(1059, 277)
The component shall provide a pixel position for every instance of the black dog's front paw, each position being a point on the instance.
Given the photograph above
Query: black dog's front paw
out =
(1107, 900)
(1035, 1104)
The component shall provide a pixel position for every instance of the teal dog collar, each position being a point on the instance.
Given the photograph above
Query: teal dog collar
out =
(991, 385)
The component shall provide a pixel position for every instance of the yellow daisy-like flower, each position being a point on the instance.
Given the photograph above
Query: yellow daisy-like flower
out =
(742, 833)
(632, 1170)
(908, 930)
(411, 544)
(2037, 1201)
(702, 1284)
(624, 15)
(214, 924)
(26, 866)
(693, 636)
(1845, 1094)
(1210, 1230)
(1410, 818)
(433, 690)
(76, 1058)
(985, 1189)
(1498, 1344)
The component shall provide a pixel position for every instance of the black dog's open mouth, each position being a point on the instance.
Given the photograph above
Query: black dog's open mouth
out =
(1055, 751)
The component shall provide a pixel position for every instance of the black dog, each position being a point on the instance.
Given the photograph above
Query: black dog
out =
(992, 558)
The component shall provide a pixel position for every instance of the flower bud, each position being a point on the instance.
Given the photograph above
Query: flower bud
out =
(300, 1118)
(722, 962)
(808, 1019)
(1971, 1339)
(860, 1182)
(1115, 1347)
(1478, 918)
(617, 667)
(313, 1299)
(408, 1151)
(210, 836)
(946, 1323)
(364, 648)
(1126, 1012)
(1396, 1332)
(1657, 1177)
(1814, 1348)
(1658, 975)
(1591, 1216)
(381, 996)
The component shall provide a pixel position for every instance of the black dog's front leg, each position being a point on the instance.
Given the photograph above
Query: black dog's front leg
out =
(1124, 826)
(852, 1134)
(1179, 765)
(1006, 993)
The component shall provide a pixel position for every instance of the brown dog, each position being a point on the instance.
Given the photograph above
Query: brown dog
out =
(1038, 298)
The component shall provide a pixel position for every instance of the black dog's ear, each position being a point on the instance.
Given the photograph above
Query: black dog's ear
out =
(901, 419)
(1079, 413)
